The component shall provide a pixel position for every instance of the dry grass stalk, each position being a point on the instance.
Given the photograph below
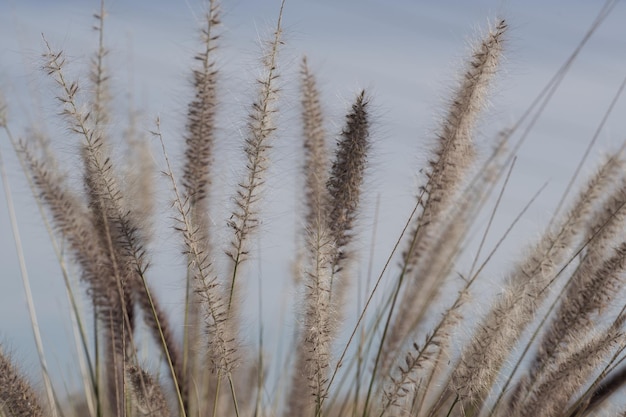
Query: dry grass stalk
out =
(115, 233)
(329, 237)
(306, 389)
(455, 153)
(565, 324)
(345, 180)
(221, 339)
(148, 399)
(310, 370)
(74, 224)
(107, 236)
(591, 291)
(118, 232)
(514, 309)
(260, 131)
(454, 156)
(196, 181)
(201, 114)
(551, 396)
(17, 396)
(101, 96)
(412, 377)
(316, 158)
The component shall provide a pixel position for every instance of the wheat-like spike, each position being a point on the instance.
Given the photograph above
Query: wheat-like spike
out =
(455, 150)
(147, 396)
(591, 293)
(346, 178)
(446, 247)
(260, 131)
(328, 240)
(70, 217)
(197, 179)
(98, 77)
(438, 344)
(17, 396)
(310, 372)
(102, 188)
(111, 220)
(593, 285)
(98, 269)
(557, 386)
(201, 114)
(514, 309)
(453, 158)
(316, 163)
(105, 234)
(421, 360)
(490, 345)
(344, 190)
(116, 225)
(221, 339)
(113, 232)
(72, 221)
(573, 315)
(309, 368)
(455, 141)
(316, 158)
(222, 346)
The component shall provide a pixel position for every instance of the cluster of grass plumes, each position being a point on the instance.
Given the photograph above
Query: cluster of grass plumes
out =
(550, 344)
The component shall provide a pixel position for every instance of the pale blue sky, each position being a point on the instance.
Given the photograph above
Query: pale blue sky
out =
(406, 53)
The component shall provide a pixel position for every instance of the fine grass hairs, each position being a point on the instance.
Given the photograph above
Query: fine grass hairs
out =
(534, 353)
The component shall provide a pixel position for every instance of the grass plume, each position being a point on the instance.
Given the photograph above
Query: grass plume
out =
(559, 317)
(17, 396)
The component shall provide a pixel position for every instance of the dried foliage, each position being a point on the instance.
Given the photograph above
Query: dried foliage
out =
(550, 344)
